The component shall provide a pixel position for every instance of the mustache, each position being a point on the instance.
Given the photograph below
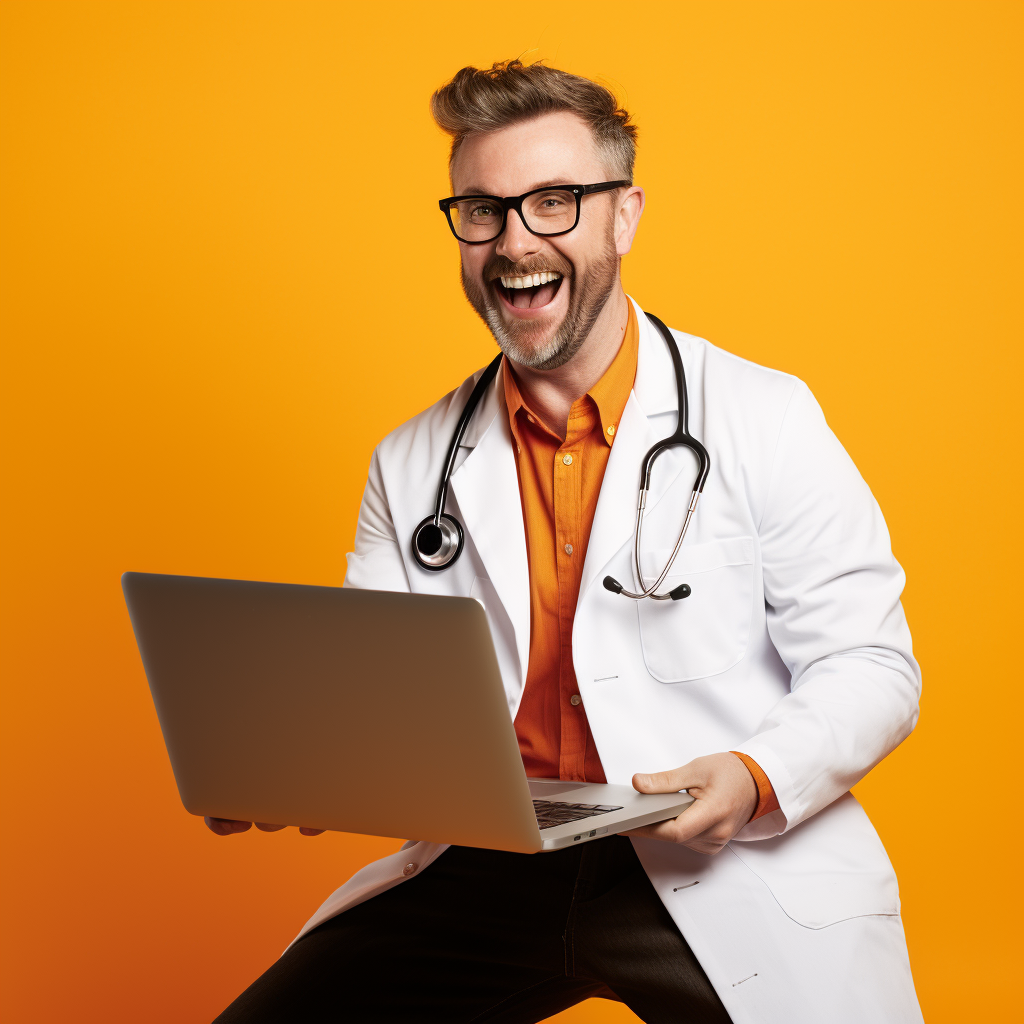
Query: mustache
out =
(501, 266)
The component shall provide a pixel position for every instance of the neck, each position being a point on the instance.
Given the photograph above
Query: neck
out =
(551, 393)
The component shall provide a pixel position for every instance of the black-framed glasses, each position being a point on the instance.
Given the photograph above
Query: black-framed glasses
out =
(554, 210)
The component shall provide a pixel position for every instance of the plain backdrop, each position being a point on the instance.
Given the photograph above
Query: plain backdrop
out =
(225, 277)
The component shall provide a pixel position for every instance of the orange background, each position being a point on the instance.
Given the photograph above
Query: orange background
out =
(225, 278)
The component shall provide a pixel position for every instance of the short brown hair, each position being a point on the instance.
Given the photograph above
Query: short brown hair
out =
(509, 92)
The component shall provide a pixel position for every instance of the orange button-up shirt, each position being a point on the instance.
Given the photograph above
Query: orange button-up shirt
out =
(559, 484)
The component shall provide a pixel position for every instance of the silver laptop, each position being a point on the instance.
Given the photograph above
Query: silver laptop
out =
(355, 710)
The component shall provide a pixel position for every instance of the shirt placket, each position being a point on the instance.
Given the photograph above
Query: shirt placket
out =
(568, 494)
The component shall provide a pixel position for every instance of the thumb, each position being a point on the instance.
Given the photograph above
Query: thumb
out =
(662, 782)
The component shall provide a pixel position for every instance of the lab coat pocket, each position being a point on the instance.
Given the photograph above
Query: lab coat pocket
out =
(706, 633)
(829, 868)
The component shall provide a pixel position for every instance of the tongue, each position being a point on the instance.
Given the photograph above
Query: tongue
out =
(531, 298)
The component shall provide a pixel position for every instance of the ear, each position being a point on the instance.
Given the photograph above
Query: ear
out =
(627, 218)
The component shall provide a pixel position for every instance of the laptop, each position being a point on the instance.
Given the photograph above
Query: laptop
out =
(355, 710)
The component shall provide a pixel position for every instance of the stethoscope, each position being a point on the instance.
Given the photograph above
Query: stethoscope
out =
(438, 541)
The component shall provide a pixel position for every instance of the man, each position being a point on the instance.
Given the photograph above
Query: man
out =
(766, 694)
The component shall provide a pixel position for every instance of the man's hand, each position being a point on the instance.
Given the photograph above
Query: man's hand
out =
(228, 826)
(725, 796)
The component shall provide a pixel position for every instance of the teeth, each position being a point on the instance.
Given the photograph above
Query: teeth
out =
(531, 280)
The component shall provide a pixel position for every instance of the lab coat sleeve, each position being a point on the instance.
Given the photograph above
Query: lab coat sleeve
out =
(832, 592)
(376, 563)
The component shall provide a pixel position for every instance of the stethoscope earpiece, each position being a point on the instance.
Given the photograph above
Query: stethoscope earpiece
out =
(676, 594)
(435, 546)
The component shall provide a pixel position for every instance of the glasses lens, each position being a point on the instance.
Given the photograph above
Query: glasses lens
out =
(476, 220)
(550, 211)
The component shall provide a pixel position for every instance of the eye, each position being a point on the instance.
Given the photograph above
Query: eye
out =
(482, 212)
(553, 206)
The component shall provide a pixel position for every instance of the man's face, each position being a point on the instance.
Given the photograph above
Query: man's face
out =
(544, 325)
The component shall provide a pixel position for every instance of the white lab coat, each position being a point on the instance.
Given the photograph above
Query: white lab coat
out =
(793, 648)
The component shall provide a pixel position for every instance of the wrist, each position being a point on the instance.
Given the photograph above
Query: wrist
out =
(766, 799)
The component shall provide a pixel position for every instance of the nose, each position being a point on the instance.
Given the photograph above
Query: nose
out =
(515, 241)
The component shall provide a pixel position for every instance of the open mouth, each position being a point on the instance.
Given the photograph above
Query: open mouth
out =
(531, 291)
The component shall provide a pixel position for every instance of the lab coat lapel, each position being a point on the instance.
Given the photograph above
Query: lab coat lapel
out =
(486, 487)
(615, 515)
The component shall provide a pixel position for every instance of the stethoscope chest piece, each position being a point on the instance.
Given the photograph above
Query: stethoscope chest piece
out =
(436, 545)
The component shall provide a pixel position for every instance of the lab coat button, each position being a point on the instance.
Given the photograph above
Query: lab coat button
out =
(409, 869)
(575, 700)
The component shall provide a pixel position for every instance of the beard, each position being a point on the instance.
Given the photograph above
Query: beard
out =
(588, 294)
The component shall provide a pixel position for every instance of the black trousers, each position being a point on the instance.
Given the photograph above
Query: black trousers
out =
(487, 936)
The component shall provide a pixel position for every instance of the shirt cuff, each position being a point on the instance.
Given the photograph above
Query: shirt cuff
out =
(767, 800)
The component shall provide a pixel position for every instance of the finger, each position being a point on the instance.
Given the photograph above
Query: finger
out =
(709, 847)
(657, 831)
(664, 782)
(696, 819)
(226, 826)
(264, 827)
(310, 831)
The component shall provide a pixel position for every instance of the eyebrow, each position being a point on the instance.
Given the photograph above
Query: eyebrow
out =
(480, 191)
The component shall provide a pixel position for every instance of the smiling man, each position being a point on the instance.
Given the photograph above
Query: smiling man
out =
(780, 680)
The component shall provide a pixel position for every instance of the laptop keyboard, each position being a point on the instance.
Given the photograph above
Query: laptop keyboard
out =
(550, 813)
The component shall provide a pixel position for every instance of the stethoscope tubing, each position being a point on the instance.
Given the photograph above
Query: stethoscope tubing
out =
(680, 437)
(490, 372)
(438, 540)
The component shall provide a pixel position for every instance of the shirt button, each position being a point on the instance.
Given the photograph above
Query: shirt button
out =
(568, 549)
(611, 429)
(575, 700)
(566, 460)
(409, 869)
